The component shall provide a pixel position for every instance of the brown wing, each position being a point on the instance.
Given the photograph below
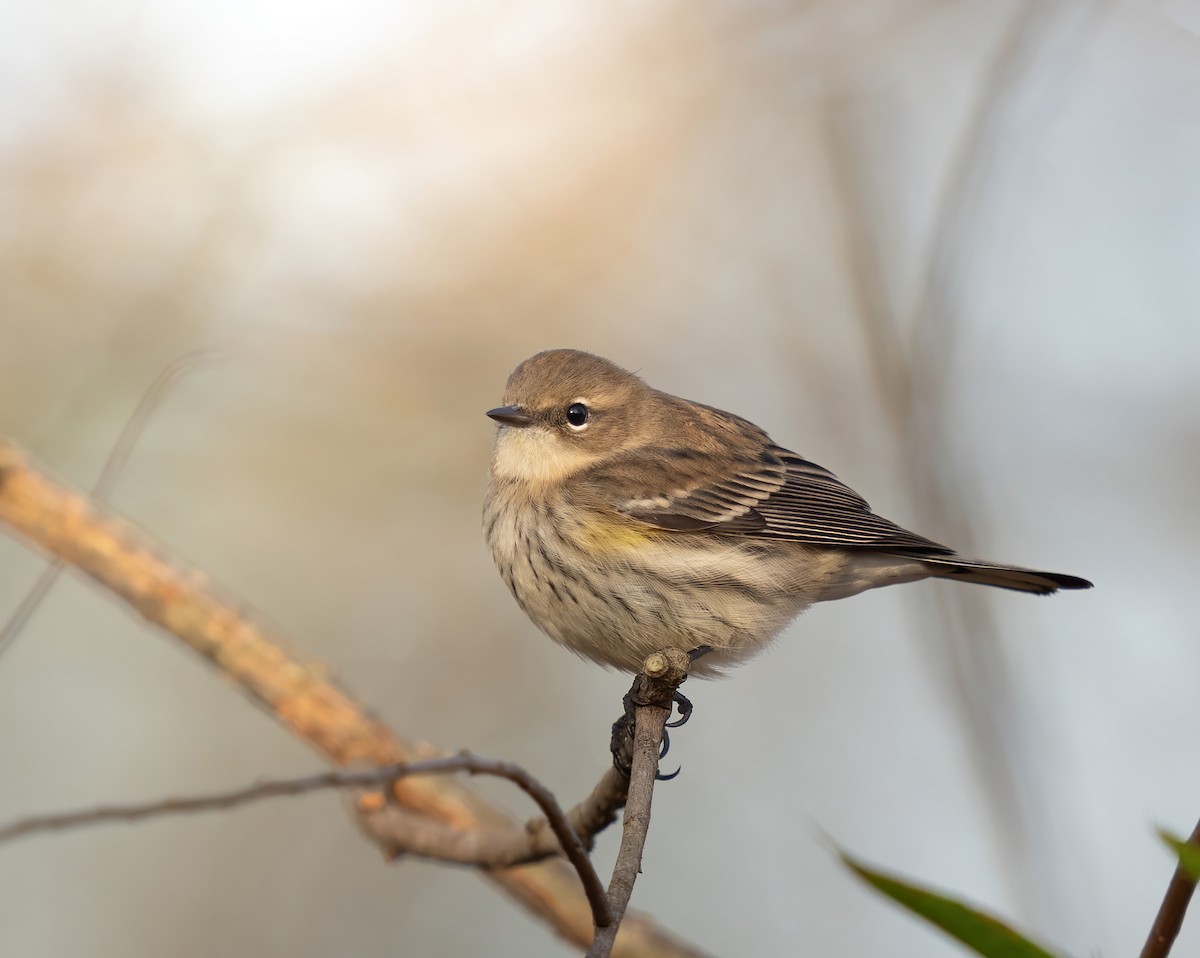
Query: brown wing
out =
(674, 489)
(816, 507)
(779, 495)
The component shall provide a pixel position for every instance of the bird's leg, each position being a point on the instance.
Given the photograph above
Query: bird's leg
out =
(621, 743)
(683, 703)
(657, 686)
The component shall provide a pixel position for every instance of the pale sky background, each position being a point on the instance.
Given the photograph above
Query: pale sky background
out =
(374, 211)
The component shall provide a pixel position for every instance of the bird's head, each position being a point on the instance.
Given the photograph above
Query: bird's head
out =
(564, 410)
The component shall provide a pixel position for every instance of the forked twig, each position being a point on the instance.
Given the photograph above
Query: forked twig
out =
(571, 844)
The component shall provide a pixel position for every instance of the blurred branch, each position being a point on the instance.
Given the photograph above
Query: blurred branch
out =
(1174, 906)
(102, 490)
(910, 358)
(980, 683)
(300, 695)
(932, 314)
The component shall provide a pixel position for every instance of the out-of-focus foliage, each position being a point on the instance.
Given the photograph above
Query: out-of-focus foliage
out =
(976, 929)
(1187, 852)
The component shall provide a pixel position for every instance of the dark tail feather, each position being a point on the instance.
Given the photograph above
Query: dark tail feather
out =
(1003, 576)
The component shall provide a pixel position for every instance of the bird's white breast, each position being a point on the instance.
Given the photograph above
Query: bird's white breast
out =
(534, 455)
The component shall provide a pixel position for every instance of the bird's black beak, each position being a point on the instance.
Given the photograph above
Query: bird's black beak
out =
(510, 416)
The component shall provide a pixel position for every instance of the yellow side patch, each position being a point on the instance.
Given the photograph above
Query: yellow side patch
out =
(610, 535)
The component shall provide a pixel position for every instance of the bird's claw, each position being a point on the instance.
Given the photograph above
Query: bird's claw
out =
(621, 744)
(684, 704)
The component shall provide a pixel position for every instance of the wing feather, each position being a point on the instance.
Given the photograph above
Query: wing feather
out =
(775, 495)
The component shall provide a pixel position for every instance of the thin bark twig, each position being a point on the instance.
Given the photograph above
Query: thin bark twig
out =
(398, 831)
(651, 699)
(1174, 906)
(570, 842)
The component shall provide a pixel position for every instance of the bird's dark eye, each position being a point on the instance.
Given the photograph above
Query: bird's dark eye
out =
(577, 415)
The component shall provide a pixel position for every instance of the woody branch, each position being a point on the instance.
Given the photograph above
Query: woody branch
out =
(435, 810)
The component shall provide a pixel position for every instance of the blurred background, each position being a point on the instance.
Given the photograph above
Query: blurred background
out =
(950, 250)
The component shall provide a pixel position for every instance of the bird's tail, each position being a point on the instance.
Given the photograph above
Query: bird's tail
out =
(1002, 576)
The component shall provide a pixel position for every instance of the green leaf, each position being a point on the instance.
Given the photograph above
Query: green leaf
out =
(978, 931)
(1187, 853)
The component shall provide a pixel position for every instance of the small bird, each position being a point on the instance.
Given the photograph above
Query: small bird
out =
(625, 520)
